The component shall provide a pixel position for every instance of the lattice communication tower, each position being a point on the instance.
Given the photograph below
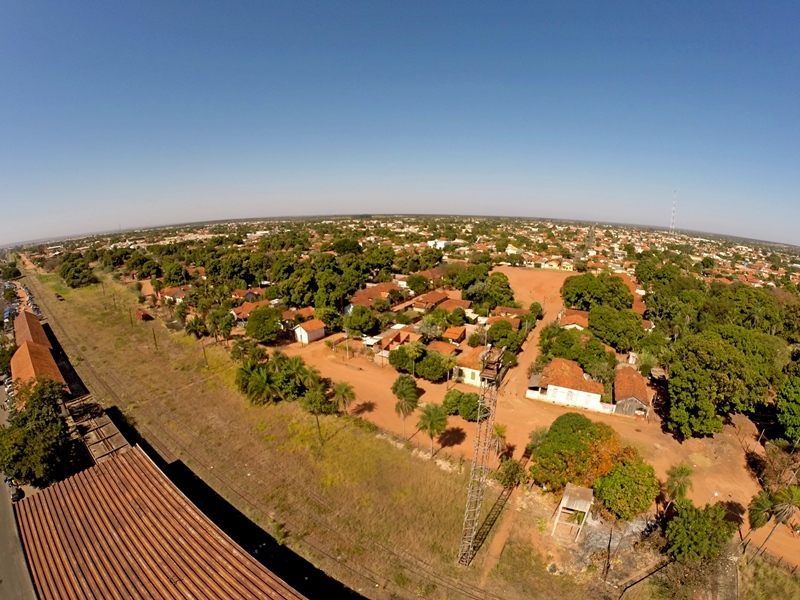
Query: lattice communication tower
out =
(672, 220)
(491, 373)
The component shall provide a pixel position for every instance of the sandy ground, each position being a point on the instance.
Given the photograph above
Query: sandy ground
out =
(720, 471)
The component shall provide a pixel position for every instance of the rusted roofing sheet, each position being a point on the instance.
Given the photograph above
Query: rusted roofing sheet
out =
(27, 328)
(121, 529)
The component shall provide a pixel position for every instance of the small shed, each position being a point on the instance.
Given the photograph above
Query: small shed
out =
(575, 500)
(143, 315)
(310, 331)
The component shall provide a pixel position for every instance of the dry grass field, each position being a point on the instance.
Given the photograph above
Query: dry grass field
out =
(362, 506)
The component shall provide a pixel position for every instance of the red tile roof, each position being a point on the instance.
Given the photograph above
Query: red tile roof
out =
(455, 333)
(31, 360)
(471, 359)
(312, 325)
(122, 529)
(368, 295)
(27, 328)
(578, 320)
(514, 322)
(243, 312)
(429, 300)
(629, 383)
(443, 347)
(452, 303)
(568, 374)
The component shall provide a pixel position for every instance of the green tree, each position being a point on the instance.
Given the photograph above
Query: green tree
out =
(679, 481)
(698, 533)
(511, 473)
(621, 329)
(576, 450)
(315, 402)
(788, 403)
(414, 350)
(263, 387)
(175, 274)
(433, 421)
(587, 291)
(432, 367)
(759, 512)
(196, 327)
(34, 447)
(784, 506)
(181, 311)
(264, 324)
(405, 389)
(417, 284)
(629, 489)
(343, 395)
(360, 321)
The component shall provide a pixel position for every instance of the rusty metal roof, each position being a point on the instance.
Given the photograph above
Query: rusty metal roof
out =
(121, 529)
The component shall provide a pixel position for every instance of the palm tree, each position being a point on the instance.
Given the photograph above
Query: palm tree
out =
(195, 327)
(414, 350)
(244, 373)
(449, 362)
(263, 387)
(785, 503)
(315, 402)
(294, 370)
(759, 512)
(343, 395)
(433, 421)
(277, 361)
(225, 328)
(405, 388)
(312, 378)
(498, 440)
(679, 482)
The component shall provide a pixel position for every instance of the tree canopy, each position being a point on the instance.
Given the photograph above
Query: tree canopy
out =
(34, 447)
(630, 488)
(264, 324)
(698, 533)
(586, 291)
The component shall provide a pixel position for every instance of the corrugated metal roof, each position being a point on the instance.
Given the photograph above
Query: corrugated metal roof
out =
(121, 529)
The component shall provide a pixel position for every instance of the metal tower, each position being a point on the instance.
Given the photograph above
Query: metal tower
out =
(672, 221)
(491, 374)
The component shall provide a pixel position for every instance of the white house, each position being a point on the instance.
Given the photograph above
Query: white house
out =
(468, 366)
(563, 382)
(310, 331)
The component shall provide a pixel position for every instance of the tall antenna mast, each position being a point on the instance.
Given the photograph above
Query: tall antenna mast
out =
(672, 221)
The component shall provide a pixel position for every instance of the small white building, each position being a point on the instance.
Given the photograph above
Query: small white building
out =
(469, 365)
(563, 382)
(310, 331)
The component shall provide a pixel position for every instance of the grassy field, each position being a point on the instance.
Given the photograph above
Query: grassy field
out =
(761, 580)
(360, 506)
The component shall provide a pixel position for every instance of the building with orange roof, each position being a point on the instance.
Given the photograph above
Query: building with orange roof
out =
(33, 360)
(564, 382)
(27, 328)
(469, 365)
(310, 331)
(630, 393)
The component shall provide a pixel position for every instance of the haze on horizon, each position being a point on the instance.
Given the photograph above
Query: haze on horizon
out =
(134, 114)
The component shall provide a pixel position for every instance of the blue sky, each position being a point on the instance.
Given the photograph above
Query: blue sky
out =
(143, 113)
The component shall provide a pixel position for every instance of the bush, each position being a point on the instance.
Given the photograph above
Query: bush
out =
(452, 400)
(510, 474)
(697, 533)
(468, 406)
(431, 367)
(630, 488)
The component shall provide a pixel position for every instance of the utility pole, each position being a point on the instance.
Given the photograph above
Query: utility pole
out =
(130, 315)
(204, 354)
(155, 341)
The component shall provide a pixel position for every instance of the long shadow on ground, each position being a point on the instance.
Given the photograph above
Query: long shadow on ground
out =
(292, 568)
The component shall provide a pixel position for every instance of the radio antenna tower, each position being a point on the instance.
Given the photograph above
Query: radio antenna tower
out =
(672, 221)
(491, 373)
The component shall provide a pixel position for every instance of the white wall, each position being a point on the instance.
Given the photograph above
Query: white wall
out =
(568, 397)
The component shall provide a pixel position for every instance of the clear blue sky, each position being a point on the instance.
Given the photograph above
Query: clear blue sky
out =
(144, 113)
